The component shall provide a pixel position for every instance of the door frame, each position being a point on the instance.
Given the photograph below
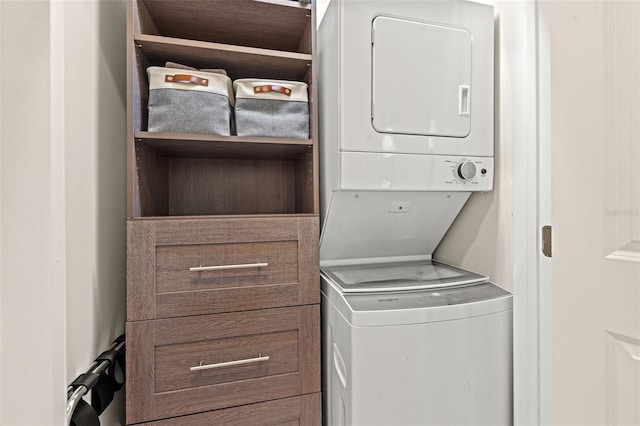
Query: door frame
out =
(532, 210)
(545, 334)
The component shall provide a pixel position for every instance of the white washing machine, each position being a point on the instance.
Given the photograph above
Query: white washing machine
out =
(403, 346)
(406, 135)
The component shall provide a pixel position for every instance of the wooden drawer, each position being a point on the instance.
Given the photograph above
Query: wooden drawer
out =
(203, 266)
(305, 410)
(251, 357)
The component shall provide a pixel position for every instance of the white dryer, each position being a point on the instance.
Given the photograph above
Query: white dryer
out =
(406, 122)
(406, 135)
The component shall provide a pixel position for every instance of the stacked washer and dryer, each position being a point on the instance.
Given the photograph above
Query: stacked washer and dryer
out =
(406, 131)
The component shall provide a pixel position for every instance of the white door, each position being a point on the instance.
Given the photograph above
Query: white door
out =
(595, 142)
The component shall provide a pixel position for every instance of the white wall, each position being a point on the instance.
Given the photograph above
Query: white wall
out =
(497, 233)
(32, 309)
(480, 238)
(62, 200)
(95, 136)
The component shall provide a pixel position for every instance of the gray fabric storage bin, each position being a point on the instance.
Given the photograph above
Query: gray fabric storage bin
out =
(271, 108)
(187, 101)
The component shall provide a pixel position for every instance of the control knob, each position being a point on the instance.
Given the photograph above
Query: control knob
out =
(466, 170)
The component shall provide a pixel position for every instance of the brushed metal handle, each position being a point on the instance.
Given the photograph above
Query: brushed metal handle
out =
(222, 267)
(260, 358)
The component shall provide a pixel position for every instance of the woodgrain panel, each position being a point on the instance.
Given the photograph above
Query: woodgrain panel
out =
(311, 411)
(140, 405)
(141, 91)
(229, 147)
(143, 21)
(173, 362)
(188, 176)
(209, 327)
(160, 342)
(141, 268)
(239, 22)
(218, 186)
(174, 262)
(299, 410)
(169, 305)
(237, 61)
(132, 176)
(259, 177)
(308, 260)
(314, 117)
(161, 251)
(152, 181)
(220, 231)
(310, 348)
(305, 181)
(306, 39)
(225, 395)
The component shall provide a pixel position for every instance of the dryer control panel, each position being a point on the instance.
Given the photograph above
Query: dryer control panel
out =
(472, 171)
(401, 172)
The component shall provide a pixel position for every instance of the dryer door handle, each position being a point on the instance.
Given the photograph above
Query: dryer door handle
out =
(464, 100)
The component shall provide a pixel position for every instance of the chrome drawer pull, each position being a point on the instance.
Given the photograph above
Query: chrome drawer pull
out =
(260, 358)
(221, 267)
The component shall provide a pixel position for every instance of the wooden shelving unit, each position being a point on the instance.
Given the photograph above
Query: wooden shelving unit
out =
(246, 205)
(247, 38)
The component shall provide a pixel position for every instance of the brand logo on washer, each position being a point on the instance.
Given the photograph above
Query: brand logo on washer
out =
(390, 299)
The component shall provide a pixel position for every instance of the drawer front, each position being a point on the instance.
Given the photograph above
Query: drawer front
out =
(186, 267)
(216, 266)
(224, 360)
(305, 410)
(190, 365)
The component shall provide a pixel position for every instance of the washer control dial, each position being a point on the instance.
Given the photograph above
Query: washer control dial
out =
(466, 170)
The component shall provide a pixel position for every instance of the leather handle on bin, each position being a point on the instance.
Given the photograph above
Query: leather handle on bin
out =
(271, 88)
(186, 78)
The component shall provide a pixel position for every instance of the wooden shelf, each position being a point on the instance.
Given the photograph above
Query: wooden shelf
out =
(238, 61)
(228, 147)
(228, 216)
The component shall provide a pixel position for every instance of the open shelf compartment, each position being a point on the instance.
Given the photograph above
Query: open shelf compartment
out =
(268, 24)
(194, 177)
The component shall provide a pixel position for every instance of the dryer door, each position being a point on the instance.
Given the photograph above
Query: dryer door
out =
(421, 78)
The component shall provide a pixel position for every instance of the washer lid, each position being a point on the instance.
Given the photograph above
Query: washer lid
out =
(399, 276)
(425, 298)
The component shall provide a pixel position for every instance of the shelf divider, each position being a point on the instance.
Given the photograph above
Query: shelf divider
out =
(231, 147)
(238, 61)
